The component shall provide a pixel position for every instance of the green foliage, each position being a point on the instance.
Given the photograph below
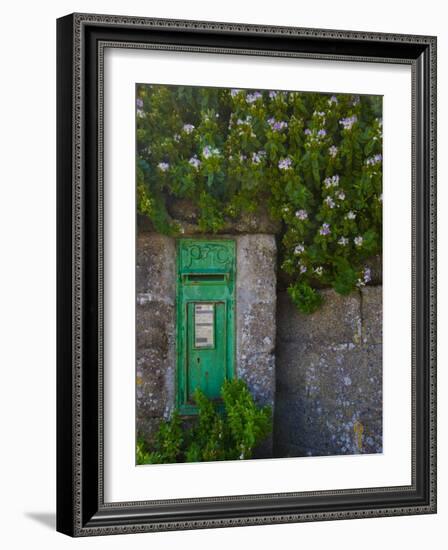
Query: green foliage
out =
(246, 423)
(168, 444)
(313, 159)
(143, 456)
(230, 434)
(306, 298)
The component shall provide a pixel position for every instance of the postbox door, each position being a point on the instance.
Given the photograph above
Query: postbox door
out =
(205, 319)
(206, 347)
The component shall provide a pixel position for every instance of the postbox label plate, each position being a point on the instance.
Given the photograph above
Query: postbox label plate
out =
(204, 326)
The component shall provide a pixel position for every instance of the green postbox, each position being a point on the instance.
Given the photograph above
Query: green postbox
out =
(205, 318)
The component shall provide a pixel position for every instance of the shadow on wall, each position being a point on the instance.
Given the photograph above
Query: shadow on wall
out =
(329, 376)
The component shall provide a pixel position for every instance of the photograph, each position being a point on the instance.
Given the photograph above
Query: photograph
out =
(220, 275)
(246, 250)
(258, 273)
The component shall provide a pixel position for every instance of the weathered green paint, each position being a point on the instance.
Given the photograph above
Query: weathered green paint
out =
(205, 318)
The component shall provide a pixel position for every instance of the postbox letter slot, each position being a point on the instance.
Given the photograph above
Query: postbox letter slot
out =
(206, 277)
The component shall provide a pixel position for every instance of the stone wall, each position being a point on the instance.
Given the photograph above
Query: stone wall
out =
(255, 295)
(256, 314)
(329, 376)
(255, 320)
(155, 330)
(321, 373)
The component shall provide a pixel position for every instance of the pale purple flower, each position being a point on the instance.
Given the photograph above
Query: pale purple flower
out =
(234, 92)
(163, 166)
(251, 98)
(315, 136)
(319, 113)
(285, 164)
(256, 157)
(367, 275)
(351, 215)
(299, 249)
(302, 214)
(302, 268)
(195, 162)
(332, 151)
(340, 195)
(333, 99)
(366, 278)
(329, 202)
(277, 125)
(348, 122)
(318, 270)
(343, 241)
(374, 160)
(331, 181)
(208, 152)
(242, 157)
(325, 229)
(273, 94)
(358, 241)
(280, 125)
(139, 103)
(242, 121)
(188, 128)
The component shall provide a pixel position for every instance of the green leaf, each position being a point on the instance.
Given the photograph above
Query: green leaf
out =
(306, 299)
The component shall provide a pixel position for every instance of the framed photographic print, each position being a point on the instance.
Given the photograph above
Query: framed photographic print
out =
(246, 274)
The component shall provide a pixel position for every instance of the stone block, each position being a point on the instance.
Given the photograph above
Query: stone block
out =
(256, 314)
(256, 270)
(337, 321)
(256, 319)
(155, 267)
(258, 371)
(324, 390)
(255, 328)
(372, 314)
(155, 330)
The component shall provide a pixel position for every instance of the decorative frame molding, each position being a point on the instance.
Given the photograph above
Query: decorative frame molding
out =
(81, 39)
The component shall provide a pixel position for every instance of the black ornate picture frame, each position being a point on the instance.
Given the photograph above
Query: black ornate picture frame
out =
(81, 508)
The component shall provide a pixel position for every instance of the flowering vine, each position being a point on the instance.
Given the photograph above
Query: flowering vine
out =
(315, 161)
